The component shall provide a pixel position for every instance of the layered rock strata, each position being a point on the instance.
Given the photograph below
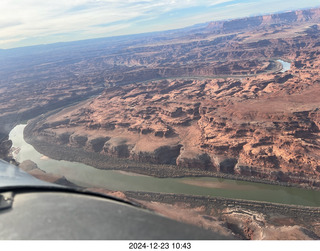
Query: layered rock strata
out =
(270, 132)
(221, 103)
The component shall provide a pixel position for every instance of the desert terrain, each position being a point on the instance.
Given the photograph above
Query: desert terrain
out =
(219, 103)
(208, 100)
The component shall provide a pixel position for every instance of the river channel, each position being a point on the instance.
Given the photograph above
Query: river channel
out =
(88, 176)
(285, 65)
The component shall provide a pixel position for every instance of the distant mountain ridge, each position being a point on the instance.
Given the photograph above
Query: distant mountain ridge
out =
(308, 15)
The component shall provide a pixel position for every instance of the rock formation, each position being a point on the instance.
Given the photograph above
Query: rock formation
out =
(32, 168)
(213, 98)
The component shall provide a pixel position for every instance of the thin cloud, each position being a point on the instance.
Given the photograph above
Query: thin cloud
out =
(12, 40)
(45, 21)
(9, 24)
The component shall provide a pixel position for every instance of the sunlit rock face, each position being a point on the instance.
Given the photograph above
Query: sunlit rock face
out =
(214, 99)
(251, 127)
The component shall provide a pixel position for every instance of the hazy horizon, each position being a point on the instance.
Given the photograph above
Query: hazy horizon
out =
(35, 22)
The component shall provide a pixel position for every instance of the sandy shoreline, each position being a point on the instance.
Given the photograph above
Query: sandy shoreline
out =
(215, 185)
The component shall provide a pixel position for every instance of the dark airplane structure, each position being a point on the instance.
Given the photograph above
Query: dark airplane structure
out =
(31, 209)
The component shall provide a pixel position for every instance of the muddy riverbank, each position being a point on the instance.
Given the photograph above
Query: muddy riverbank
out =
(251, 220)
(306, 213)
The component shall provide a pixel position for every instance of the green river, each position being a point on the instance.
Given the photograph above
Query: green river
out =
(88, 176)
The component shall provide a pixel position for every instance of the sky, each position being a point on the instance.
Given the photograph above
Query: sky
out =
(32, 22)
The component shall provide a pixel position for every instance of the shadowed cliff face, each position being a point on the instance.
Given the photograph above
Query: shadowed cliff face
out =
(213, 99)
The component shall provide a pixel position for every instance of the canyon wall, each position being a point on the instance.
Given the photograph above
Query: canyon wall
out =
(212, 98)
